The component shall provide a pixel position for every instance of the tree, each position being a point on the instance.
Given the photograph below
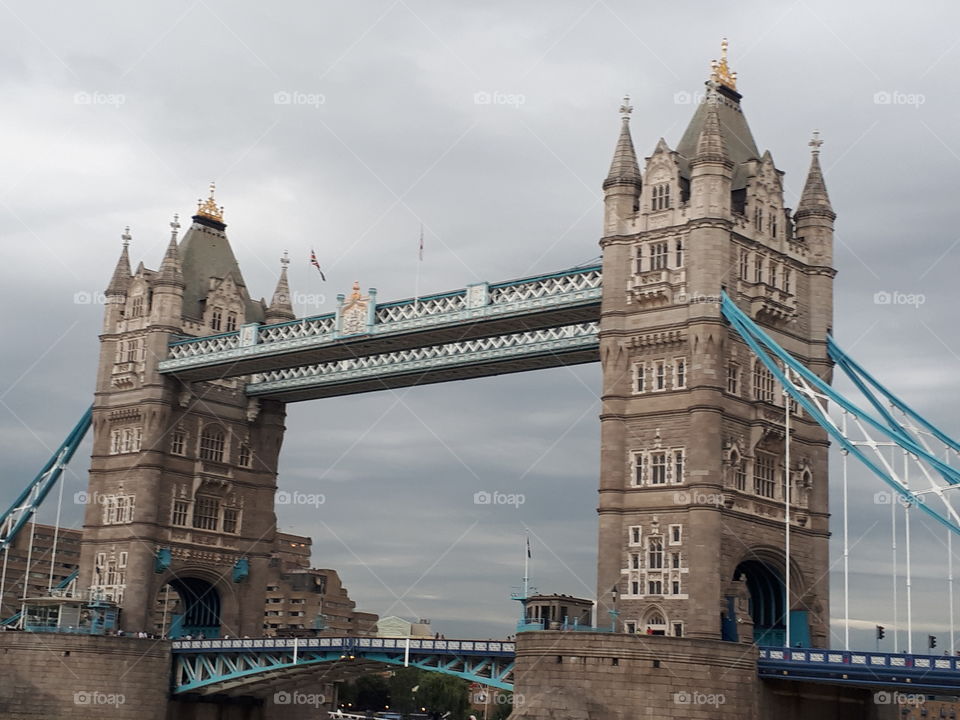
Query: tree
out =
(443, 693)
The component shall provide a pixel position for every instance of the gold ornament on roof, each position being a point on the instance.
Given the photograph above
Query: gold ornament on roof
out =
(208, 208)
(722, 74)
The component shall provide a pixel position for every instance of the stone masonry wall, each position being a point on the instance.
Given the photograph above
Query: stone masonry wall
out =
(600, 676)
(82, 678)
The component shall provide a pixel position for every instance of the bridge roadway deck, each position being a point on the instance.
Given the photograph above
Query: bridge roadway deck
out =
(900, 672)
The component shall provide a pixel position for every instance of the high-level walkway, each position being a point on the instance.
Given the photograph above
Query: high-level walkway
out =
(480, 330)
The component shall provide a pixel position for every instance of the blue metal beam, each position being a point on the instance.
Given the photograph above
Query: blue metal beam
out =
(26, 504)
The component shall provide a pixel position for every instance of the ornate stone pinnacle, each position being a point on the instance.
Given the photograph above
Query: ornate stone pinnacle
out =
(174, 226)
(815, 143)
(285, 260)
(626, 108)
(126, 236)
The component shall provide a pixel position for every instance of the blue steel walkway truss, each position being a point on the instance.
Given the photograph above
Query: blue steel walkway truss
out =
(220, 666)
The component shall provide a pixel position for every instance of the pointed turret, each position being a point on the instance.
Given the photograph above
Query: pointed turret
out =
(166, 309)
(814, 216)
(814, 199)
(281, 309)
(621, 189)
(171, 270)
(120, 282)
(711, 147)
(624, 169)
(711, 168)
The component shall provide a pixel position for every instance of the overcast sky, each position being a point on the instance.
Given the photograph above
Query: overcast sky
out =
(343, 126)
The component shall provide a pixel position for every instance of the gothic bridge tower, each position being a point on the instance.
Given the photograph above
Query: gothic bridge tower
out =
(692, 484)
(180, 518)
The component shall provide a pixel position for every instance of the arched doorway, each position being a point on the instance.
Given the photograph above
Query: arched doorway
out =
(766, 587)
(654, 622)
(187, 606)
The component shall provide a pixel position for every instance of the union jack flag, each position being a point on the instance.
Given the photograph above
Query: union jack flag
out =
(313, 261)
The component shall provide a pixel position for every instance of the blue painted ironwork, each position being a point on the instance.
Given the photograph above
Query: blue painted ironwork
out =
(241, 569)
(473, 307)
(162, 560)
(26, 504)
(214, 666)
(912, 673)
(814, 395)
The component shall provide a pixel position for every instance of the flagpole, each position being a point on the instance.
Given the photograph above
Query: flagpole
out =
(526, 567)
(416, 286)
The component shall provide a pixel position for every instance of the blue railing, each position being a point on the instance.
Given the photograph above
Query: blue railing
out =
(851, 667)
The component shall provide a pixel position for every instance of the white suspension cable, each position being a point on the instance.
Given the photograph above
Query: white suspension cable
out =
(906, 531)
(893, 544)
(846, 549)
(786, 478)
(26, 572)
(56, 535)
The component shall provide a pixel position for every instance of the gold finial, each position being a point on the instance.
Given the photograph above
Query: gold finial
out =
(721, 73)
(126, 236)
(626, 108)
(208, 208)
(356, 291)
(815, 143)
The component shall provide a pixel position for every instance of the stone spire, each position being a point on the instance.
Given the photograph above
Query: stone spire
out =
(624, 169)
(120, 281)
(171, 269)
(814, 199)
(711, 146)
(281, 309)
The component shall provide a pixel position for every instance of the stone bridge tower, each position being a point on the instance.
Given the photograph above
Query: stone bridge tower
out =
(182, 476)
(692, 482)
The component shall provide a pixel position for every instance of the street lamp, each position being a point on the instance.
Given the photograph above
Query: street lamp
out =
(613, 613)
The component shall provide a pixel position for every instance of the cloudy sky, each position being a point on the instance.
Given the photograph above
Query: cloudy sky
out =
(344, 126)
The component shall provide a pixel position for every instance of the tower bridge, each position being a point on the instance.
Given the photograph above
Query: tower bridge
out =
(711, 316)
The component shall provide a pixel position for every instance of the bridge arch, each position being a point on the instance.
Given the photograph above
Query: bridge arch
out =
(761, 572)
(193, 602)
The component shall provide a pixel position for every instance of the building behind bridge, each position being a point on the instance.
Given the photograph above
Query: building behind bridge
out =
(298, 597)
